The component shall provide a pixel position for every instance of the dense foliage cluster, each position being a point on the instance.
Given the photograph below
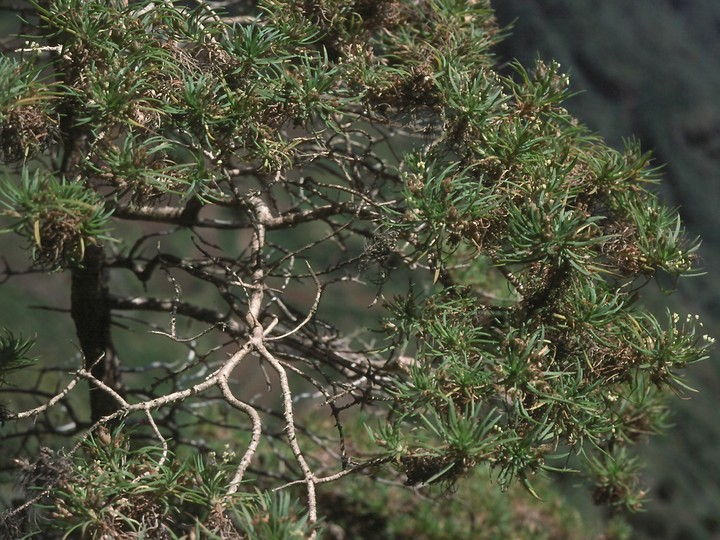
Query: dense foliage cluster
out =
(291, 163)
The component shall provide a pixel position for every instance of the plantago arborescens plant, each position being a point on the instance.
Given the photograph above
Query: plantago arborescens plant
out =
(246, 184)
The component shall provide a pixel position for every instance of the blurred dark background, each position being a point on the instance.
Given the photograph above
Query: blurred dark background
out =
(651, 69)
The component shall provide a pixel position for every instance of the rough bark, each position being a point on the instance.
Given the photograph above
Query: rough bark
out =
(91, 313)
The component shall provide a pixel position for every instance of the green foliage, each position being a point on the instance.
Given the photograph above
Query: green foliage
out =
(14, 354)
(26, 120)
(16, 79)
(326, 136)
(274, 515)
(57, 217)
(547, 371)
(110, 489)
(476, 509)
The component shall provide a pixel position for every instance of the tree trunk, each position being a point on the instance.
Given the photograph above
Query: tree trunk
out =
(91, 313)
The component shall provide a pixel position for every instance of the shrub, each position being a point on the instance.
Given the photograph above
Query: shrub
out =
(294, 166)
